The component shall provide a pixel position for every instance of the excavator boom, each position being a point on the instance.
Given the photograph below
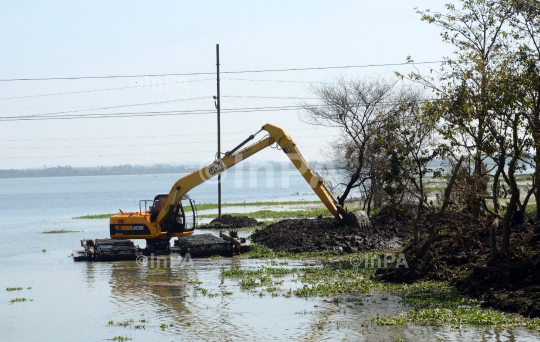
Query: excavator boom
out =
(168, 217)
(275, 135)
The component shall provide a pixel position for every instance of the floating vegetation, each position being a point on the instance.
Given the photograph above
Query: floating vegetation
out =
(383, 320)
(44, 250)
(431, 303)
(14, 288)
(92, 217)
(18, 300)
(125, 324)
(62, 231)
(262, 252)
(157, 271)
(121, 338)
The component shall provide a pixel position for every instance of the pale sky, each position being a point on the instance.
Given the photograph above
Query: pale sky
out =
(41, 39)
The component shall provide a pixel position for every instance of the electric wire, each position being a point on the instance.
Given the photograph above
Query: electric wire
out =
(213, 73)
(60, 115)
(105, 89)
(138, 136)
(139, 145)
(115, 107)
(143, 114)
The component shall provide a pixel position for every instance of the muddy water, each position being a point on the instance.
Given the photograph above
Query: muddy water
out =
(71, 301)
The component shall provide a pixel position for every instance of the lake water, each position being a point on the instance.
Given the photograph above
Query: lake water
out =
(75, 301)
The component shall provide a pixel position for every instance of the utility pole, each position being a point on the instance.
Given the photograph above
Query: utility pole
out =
(218, 107)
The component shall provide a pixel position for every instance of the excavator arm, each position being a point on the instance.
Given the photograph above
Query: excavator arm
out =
(276, 135)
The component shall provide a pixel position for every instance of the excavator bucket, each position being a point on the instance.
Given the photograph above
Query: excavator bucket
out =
(358, 219)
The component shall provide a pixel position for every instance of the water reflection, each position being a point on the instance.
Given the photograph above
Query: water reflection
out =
(187, 297)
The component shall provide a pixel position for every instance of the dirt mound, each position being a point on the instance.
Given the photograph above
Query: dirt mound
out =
(461, 255)
(229, 221)
(326, 234)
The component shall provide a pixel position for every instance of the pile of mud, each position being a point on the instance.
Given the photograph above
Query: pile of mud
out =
(326, 234)
(230, 222)
(461, 255)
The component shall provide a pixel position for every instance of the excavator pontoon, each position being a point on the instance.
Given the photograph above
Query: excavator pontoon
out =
(174, 215)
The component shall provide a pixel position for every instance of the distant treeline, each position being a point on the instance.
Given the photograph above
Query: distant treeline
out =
(66, 171)
(63, 171)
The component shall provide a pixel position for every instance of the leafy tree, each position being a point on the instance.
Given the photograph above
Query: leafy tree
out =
(410, 145)
(462, 85)
(526, 21)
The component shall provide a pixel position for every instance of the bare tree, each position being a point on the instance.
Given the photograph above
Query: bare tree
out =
(359, 109)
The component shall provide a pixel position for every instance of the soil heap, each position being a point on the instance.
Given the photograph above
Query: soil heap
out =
(327, 234)
(230, 222)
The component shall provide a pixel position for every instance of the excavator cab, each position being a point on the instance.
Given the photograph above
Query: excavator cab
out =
(182, 218)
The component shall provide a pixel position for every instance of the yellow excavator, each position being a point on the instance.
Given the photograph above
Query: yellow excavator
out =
(174, 214)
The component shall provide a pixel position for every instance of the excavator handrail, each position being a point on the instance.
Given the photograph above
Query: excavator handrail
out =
(276, 135)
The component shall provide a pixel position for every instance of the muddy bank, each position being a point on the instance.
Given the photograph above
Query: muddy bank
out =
(229, 221)
(326, 234)
(461, 255)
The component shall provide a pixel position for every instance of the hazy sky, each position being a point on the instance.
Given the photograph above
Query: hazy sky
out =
(41, 39)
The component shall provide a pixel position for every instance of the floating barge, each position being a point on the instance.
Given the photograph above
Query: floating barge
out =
(197, 246)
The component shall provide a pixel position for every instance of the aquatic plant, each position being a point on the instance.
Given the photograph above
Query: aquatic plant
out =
(91, 217)
(157, 270)
(17, 300)
(14, 288)
(62, 231)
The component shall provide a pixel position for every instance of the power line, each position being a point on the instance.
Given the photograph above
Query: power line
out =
(272, 97)
(112, 155)
(212, 73)
(255, 80)
(140, 145)
(115, 107)
(143, 114)
(142, 86)
(61, 116)
(99, 90)
(140, 136)
(108, 155)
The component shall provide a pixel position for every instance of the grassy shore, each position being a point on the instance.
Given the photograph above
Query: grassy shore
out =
(205, 206)
(269, 214)
(91, 217)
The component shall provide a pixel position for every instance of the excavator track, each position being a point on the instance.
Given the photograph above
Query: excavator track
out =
(197, 246)
(106, 250)
(202, 245)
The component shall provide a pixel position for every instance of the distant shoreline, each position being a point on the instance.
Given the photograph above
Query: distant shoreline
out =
(123, 170)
